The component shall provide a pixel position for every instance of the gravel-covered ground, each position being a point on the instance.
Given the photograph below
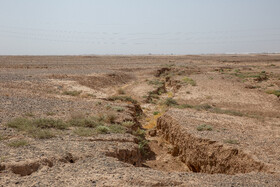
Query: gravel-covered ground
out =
(216, 105)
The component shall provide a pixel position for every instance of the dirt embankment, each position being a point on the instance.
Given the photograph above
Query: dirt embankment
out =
(204, 155)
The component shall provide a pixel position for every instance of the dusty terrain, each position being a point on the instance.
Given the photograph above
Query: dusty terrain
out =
(140, 120)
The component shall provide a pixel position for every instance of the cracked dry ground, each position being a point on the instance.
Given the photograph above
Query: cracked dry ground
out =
(140, 120)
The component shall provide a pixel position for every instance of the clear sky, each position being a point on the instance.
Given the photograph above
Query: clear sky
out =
(53, 27)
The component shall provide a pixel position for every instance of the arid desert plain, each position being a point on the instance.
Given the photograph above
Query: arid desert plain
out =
(208, 120)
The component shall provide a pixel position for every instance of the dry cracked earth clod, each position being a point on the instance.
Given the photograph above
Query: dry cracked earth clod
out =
(129, 121)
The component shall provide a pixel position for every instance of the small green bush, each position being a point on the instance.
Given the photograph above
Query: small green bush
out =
(156, 113)
(102, 129)
(117, 129)
(140, 132)
(46, 123)
(128, 124)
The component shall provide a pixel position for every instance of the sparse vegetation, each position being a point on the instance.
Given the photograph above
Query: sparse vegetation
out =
(204, 127)
(274, 92)
(128, 124)
(257, 76)
(90, 122)
(143, 147)
(72, 93)
(140, 132)
(156, 113)
(230, 141)
(82, 131)
(91, 95)
(46, 123)
(102, 129)
(170, 102)
(41, 133)
(18, 143)
(118, 108)
(122, 98)
(156, 82)
(37, 128)
(110, 118)
(190, 81)
(117, 129)
(29, 114)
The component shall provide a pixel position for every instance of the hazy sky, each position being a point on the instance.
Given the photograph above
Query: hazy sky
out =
(40, 27)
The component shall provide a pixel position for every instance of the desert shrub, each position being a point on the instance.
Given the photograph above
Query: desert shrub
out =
(156, 113)
(91, 95)
(128, 124)
(37, 128)
(117, 129)
(274, 92)
(102, 130)
(190, 81)
(46, 123)
(139, 132)
(22, 124)
(257, 76)
(108, 107)
(182, 106)
(72, 93)
(91, 122)
(77, 114)
(122, 98)
(18, 143)
(101, 118)
(228, 112)
(156, 82)
(230, 141)
(203, 107)
(82, 131)
(110, 118)
(29, 114)
(143, 146)
(170, 102)
(204, 127)
(118, 108)
(41, 133)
